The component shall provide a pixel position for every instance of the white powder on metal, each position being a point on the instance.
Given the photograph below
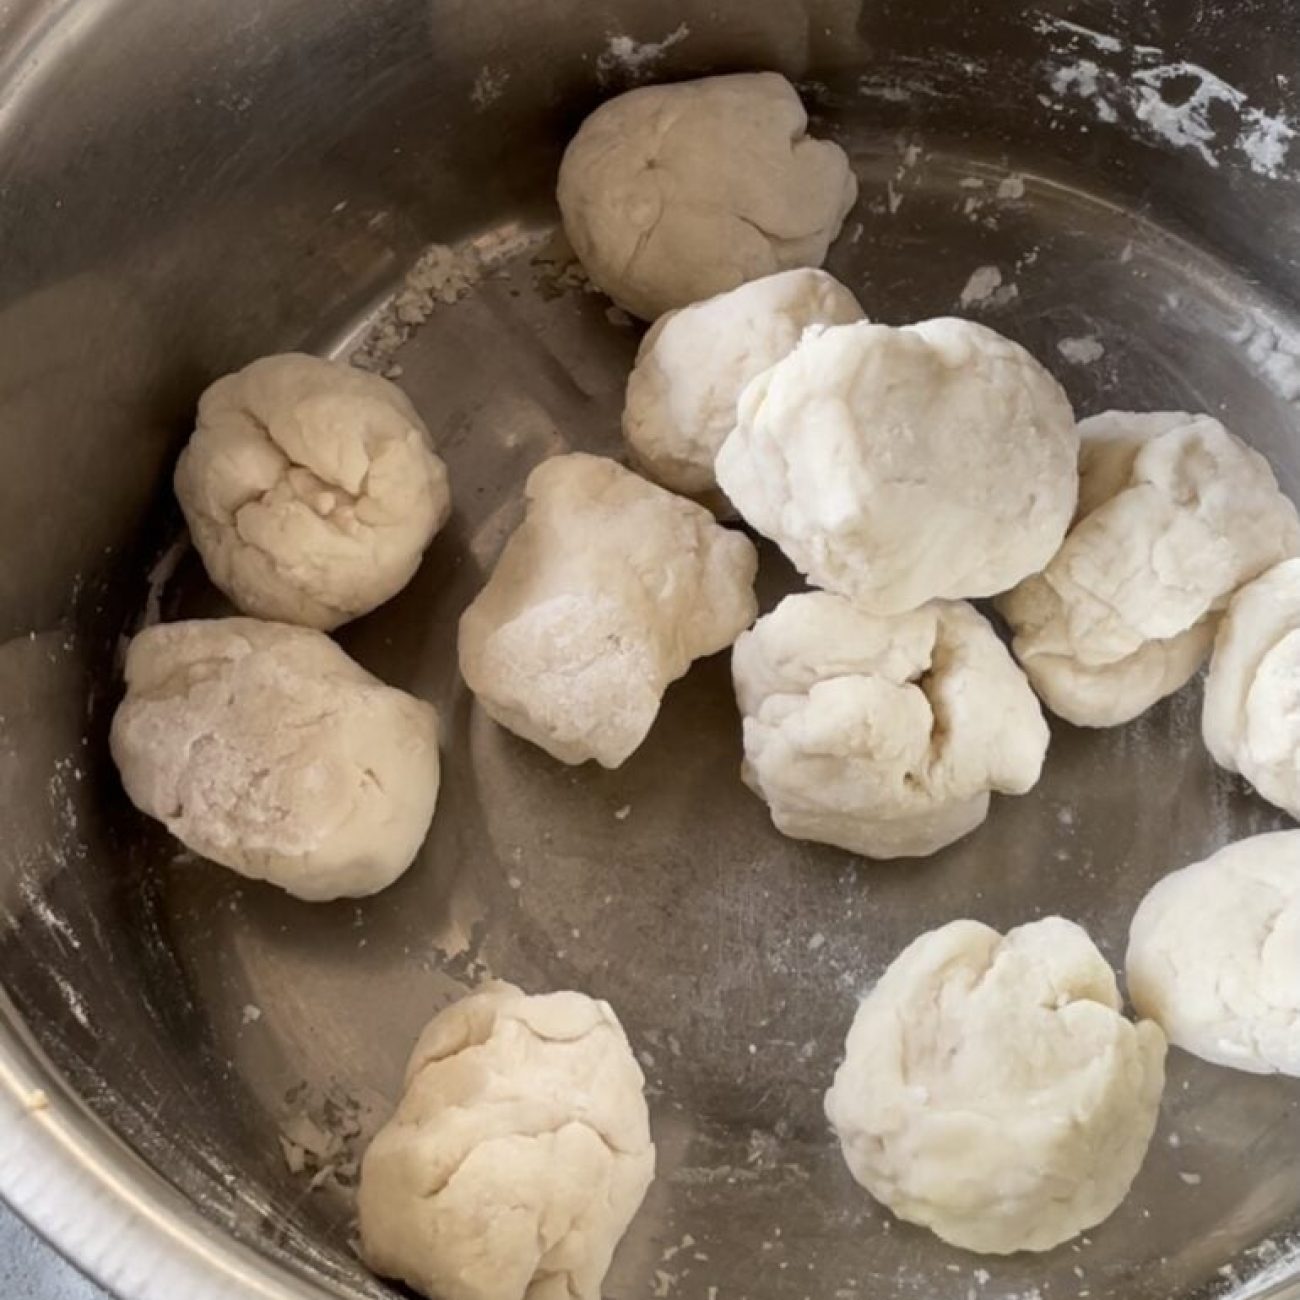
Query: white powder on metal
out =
(623, 54)
(1183, 104)
(441, 276)
(1273, 353)
(489, 86)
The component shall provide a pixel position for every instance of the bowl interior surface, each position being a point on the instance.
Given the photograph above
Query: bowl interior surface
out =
(1014, 167)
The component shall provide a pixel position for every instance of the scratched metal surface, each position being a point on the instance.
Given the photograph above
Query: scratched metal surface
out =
(246, 1044)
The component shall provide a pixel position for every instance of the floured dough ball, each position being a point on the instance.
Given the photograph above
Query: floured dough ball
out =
(992, 1092)
(1214, 951)
(693, 364)
(671, 194)
(1175, 513)
(602, 597)
(265, 748)
(894, 466)
(883, 736)
(518, 1155)
(1251, 717)
(311, 489)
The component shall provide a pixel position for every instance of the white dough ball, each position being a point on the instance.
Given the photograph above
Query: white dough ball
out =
(517, 1157)
(673, 193)
(263, 747)
(1175, 513)
(992, 1091)
(694, 363)
(310, 488)
(896, 466)
(1214, 955)
(1251, 716)
(602, 597)
(883, 736)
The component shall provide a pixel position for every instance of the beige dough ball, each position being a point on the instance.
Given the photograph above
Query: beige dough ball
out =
(263, 747)
(517, 1157)
(897, 466)
(1251, 715)
(673, 193)
(694, 363)
(311, 489)
(1213, 954)
(883, 736)
(1175, 513)
(993, 1092)
(603, 596)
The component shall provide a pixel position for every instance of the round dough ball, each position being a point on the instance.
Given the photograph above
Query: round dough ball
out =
(894, 466)
(602, 597)
(310, 489)
(265, 748)
(1214, 955)
(1175, 513)
(1251, 717)
(883, 736)
(517, 1157)
(992, 1092)
(673, 193)
(693, 364)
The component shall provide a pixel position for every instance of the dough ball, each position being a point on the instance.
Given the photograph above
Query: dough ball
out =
(894, 466)
(992, 1092)
(518, 1155)
(311, 489)
(1175, 513)
(1251, 718)
(1214, 955)
(883, 736)
(671, 194)
(693, 364)
(265, 748)
(602, 597)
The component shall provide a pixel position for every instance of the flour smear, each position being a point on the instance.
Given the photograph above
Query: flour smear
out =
(1183, 104)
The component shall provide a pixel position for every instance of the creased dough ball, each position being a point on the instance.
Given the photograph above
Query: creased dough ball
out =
(1251, 717)
(518, 1155)
(265, 748)
(1175, 513)
(673, 193)
(310, 489)
(992, 1092)
(883, 736)
(602, 597)
(1214, 955)
(894, 466)
(694, 363)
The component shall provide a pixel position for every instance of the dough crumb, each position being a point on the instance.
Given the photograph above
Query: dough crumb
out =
(983, 283)
(1081, 351)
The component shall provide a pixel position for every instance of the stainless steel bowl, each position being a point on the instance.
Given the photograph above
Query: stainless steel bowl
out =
(189, 1064)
